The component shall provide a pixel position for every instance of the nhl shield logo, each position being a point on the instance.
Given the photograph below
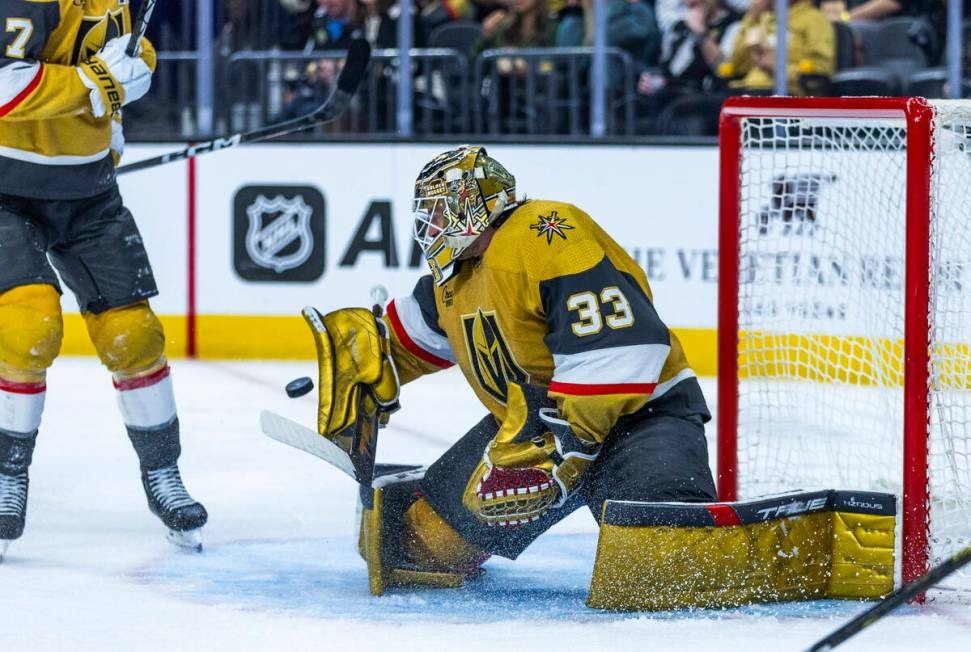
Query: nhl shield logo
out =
(274, 225)
(279, 233)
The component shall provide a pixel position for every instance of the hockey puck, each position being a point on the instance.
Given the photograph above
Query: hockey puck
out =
(299, 387)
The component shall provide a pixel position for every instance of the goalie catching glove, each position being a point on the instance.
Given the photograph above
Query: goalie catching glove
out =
(532, 465)
(358, 383)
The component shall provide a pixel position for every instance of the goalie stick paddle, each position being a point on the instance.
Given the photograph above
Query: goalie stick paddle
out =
(140, 26)
(302, 438)
(892, 601)
(355, 65)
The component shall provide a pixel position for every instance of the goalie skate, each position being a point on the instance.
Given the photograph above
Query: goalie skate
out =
(3, 550)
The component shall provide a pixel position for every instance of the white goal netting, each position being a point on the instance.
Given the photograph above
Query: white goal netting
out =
(821, 310)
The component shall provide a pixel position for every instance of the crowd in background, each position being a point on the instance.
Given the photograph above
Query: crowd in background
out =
(688, 55)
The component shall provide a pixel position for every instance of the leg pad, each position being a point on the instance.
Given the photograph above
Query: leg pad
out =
(387, 539)
(798, 546)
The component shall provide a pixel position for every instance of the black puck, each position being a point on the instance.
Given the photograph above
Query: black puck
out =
(299, 387)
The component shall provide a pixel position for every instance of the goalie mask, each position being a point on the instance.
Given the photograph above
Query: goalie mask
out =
(457, 196)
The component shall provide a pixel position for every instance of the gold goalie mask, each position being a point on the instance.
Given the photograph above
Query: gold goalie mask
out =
(457, 196)
(358, 383)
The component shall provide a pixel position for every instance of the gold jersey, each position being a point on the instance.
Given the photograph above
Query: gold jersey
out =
(556, 302)
(51, 146)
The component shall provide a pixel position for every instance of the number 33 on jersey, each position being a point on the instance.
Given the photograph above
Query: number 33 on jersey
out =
(554, 301)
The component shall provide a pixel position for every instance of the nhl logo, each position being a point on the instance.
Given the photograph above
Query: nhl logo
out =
(279, 233)
(274, 225)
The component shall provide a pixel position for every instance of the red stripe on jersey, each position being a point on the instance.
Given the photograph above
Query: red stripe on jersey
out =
(576, 389)
(128, 384)
(24, 94)
(410, 344)
(22, 388)
(724, 515)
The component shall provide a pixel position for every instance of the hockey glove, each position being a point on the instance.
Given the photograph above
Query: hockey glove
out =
(114, 78)
(358, 383)
(533, 464)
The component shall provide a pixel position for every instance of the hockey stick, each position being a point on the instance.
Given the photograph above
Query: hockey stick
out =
(892, 601)
(355, 65)
(302, 438)
(141, 26)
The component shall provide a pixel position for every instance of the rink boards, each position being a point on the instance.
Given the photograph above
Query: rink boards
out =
(277, 227)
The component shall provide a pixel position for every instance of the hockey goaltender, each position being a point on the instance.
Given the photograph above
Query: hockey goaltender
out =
(591, 403)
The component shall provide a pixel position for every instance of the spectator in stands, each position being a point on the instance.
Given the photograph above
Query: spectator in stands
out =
(483, 8)
(435, 13)
(700, 43)
(876, 9)
(524, 24)
(238, 32)
(335, 24)
(379, 24)
(630, 27)
(332, 25)
(812, 47)
(301, 14)
(669, 13)
(933, 11)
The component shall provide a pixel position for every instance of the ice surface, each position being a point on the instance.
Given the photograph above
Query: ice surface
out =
(93, 570)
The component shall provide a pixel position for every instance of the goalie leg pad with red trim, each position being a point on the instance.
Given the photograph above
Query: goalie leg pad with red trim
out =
(797, 546)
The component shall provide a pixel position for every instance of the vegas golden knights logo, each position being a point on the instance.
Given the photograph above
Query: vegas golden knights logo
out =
(491, 359)
(95, 31)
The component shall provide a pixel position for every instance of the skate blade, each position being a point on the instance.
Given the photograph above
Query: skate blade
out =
(190, 540)
(3, 550)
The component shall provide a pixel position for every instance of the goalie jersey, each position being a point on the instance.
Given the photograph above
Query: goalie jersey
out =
(51, 146)
(554, 301)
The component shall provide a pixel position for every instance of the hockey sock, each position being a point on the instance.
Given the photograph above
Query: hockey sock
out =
(21, 406)
(147, 406)
(147, 403)
(156, 447)
(16, 452)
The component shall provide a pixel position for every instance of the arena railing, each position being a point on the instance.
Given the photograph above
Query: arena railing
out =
(264, 86)
(548, 94)
(170, 110)
(539, 91)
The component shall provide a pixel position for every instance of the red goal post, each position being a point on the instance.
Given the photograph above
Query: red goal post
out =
(825, 290)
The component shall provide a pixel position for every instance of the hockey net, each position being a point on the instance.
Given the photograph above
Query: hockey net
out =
(845, 307)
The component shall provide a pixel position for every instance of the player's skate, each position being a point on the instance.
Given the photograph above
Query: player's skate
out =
(15, 456)
(13, 509)
(178, 511)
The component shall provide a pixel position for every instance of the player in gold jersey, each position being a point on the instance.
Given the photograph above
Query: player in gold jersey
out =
(590, 396)
(64, 78)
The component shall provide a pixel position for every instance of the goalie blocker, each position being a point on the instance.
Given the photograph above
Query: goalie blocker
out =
(794, 546)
